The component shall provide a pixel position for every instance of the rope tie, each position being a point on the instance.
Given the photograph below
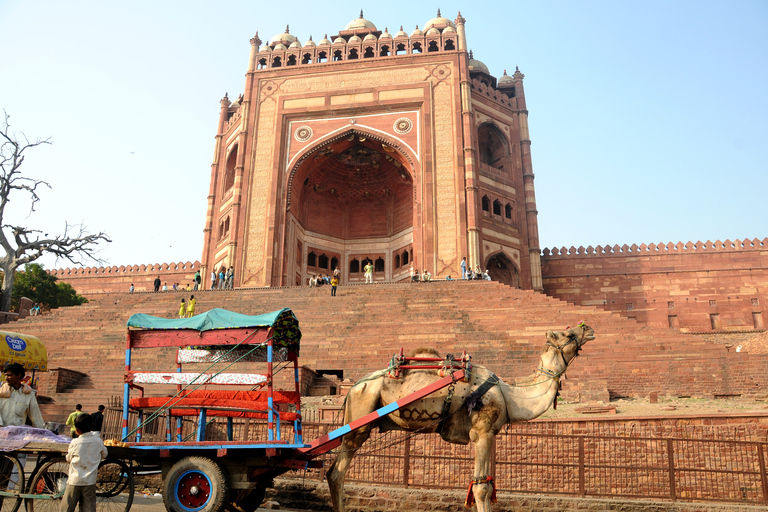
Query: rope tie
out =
(479, 481)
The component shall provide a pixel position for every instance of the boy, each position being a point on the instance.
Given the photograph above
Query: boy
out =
(84, 455)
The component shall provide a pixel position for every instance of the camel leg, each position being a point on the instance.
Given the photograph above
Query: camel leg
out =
(482, 438)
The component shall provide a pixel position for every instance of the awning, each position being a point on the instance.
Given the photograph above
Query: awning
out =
(27, 350)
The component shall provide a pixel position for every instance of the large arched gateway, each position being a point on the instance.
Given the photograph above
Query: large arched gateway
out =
(399, 150)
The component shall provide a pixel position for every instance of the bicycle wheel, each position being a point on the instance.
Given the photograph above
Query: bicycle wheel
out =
(48, 483)
(114, 487)
(11, 481)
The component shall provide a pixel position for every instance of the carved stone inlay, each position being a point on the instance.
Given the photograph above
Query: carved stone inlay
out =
(403, 125)
(303, 133)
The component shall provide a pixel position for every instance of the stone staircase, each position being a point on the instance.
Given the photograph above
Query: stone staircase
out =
(360, 329)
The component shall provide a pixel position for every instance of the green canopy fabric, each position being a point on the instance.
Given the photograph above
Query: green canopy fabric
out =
(284, 322)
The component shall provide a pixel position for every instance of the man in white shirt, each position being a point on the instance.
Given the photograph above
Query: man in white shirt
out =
(84, 455)
(17, 400)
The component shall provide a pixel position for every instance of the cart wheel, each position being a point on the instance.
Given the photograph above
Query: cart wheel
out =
(248, 500)
(114, 487)
(195, 484)
(49, 482)
(11, 480)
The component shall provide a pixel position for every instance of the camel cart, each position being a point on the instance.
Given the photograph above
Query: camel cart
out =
(200, 475)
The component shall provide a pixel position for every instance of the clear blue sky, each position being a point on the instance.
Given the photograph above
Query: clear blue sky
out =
(648, 119)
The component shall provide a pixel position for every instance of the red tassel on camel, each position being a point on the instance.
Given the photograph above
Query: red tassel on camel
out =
(481, 480)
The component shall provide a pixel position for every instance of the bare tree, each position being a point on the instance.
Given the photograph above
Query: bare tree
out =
(74, 245)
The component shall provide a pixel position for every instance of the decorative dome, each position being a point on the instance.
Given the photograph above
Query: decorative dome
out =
(476, 65)
(265, 49)
(385, 35)
(280, 46)
(449, 30)
(325, 40)
(401, 33)
(286, 39)
(417, 32)
(310, 43)
(370, 37)
(295, 44)
(505, 81)
(339, 40)
(432, 32)
(439, 23)
(360, 23)
(355, 40)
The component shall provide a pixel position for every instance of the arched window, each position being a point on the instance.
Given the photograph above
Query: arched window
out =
(397, 261)
(354, 267)
(379, 265)
(337, 56)
(508, 211)
(229, 170)
(226, 226)
(221, 230)
(416, 48)
(497, 207)
(492, 146)
(449, 45)
(277, 62)
(406, 258)
(307, 59)
(291, 61)
(334, 263)
(352, 54)
(432, 47)
(400, 49)
(369, 53)
(384, 51)
(312, 259)
(322, 57)
(486, 204)
(322, 262)
(262, 63)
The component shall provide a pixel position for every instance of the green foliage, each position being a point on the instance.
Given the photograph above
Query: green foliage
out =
(41, 287)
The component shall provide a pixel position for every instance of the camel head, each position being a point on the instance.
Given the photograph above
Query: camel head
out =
(566, 344)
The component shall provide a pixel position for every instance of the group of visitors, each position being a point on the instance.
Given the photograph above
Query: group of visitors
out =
(321, 280)
(97, 420)
(223, 280)
(187, 309)
(424, 277)
(477, 274)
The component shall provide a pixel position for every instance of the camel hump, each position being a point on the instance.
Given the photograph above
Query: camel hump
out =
(424, 352)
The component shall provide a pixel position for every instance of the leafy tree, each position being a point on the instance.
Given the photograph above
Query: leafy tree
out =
(74, 245)
(39, 286)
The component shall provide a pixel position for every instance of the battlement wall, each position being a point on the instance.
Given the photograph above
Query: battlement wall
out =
(697, 287)
(89, 280)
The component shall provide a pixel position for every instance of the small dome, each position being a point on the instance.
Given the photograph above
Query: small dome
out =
(310, 43)
(360, 23)
(265, 49)
(370, 37)
(286, 39)
(476, 65)
(432, 32)
(505, 81)
(385, 35)
(339, 40)
(355, 40)
(401, 33)
(295, 44)
(439, 23)
(324, 40)
(417, 32)
(449, 30)
(280, 46)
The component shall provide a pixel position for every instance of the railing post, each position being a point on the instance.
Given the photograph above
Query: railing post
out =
(672, 484)
(763, 477)
(407, 461)
(582, 477)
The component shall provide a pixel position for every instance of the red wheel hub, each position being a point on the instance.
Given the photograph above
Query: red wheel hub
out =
(193, 490)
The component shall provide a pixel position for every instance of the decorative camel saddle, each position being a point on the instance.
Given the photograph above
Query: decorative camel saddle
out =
(448, 365)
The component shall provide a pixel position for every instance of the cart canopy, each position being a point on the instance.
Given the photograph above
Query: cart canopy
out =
(285, 326)
(27, 350)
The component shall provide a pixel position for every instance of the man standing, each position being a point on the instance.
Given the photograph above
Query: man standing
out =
(369, 273)
(17, 400)
(157, 284)
(213, 279)
(72, 417)
(97, 419)
(464, 267)
(197, 280)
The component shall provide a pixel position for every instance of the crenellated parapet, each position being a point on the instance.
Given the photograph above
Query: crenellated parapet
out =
(123, 270)
(492, 93)
(656, 249)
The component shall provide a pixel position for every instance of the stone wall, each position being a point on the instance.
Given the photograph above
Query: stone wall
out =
(89, 280)
(720, 286)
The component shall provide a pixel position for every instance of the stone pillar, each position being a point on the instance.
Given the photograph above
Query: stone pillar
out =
(470, 151)
(531, 213)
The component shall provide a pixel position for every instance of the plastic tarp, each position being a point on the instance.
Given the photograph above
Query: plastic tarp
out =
(285, 326)
(15, 438)
(24, 349)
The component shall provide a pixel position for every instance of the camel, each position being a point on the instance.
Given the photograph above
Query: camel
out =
(500, 404)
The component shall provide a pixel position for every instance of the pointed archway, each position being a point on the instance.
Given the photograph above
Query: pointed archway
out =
(503, 270)
(349, 200)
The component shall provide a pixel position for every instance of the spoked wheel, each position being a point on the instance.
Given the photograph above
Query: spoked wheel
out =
(196, 484)
(49, 482)
(11, 481)
(114, 487)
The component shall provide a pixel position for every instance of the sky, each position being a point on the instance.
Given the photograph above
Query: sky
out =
(648, 120)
